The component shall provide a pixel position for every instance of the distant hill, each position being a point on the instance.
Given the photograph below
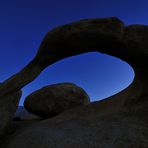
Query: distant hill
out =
(23, 114)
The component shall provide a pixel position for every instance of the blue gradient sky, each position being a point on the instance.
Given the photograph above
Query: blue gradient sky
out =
(23, 23)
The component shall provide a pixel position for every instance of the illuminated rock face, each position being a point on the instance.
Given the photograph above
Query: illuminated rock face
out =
(118, 121)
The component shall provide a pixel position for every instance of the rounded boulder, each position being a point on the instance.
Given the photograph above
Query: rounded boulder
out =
(54, 99)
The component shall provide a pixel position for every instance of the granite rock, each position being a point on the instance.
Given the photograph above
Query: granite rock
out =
(54, 99)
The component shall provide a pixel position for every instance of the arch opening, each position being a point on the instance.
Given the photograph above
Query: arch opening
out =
(100, 75)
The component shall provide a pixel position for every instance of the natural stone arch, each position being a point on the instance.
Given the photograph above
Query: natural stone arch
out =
(108, 36)
(113, 82)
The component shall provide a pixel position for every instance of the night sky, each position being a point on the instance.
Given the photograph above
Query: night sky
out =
(23, 24)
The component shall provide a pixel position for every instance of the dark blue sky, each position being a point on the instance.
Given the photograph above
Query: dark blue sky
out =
(23, 23)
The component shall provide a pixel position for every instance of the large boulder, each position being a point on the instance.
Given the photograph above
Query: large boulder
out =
(54, 99)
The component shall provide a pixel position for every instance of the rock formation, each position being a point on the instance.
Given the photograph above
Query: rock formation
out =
(54, 99)
(118, 121)
(8, 106)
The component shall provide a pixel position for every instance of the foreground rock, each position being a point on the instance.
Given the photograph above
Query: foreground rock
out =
(54, 99)
(118, 121)
(96, 125)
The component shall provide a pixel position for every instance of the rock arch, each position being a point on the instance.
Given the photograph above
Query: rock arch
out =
(107, 35)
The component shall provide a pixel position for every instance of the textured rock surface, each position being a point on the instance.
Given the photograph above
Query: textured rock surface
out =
(118, 121)
(8, 105)
(54, 99)
(84, 130)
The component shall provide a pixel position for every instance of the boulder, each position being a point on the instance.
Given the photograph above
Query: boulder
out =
(54, 99)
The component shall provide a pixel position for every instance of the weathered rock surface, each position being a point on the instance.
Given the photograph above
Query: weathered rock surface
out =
(8, 106)
(51, 100)
(119, 121)
(84, 130)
